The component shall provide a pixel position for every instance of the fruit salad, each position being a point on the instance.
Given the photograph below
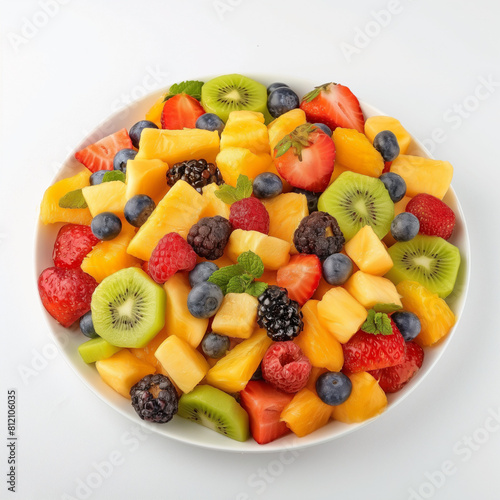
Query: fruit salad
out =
(255, 261)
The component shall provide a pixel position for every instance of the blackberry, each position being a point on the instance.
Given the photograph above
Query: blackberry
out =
(209, 236)
(197, 173)
(154, 398)
(279, 315)
(320, 234)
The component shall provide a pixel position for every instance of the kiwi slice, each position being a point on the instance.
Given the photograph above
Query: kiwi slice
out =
(234, 92)
(356, 200)
(430, 260)
(96, 349)
(216, 410)
(128, 308)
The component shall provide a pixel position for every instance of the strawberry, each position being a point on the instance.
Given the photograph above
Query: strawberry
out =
(73, 243)
(368, 351)
(99, 156)
(435, 216)
(181, 111)
(305, 158)
(387, 167)
(334, 105)
(66, 293)
(392, 379)
(264, 405)
(300, 277)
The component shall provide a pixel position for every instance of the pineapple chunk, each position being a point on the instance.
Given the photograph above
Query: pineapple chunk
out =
(213, 206)
(178, 320)
(176, 213)
(173, 146)
(51, 212)
(237, 316)
(319, 345)
(435, 316)
(274, 252)
(368, 252)
(283, 125)
(306, 413)
(341, 314)
(367, 400)
(234, 161)
(106, 197)
(123, 370)
(184, 365)
(147, 177)
(232, 372)
(376, 124)
(423, 175)
(370, 290)
(245, 129)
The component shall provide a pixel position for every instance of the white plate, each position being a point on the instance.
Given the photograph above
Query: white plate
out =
(179, 428)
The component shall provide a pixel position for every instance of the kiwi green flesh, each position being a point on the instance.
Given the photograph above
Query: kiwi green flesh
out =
(128, 308)
(216, 410)
(430, 260)
(357, 200)
(234, 92)
(96, 349)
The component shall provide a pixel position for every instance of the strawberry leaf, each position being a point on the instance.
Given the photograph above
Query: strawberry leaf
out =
(314, 93)
(190, 87)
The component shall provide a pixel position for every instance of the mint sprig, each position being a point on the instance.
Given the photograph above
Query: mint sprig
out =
(386, 308)
(73, 199)
(229, 194)
(189, 87)
(377, 323)
(113, 175)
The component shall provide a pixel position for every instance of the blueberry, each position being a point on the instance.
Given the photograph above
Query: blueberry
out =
(408, 324)
(215, 345)
(325, 128)
(395, 185)
(136, 131)
(386, 144)
(121, 158)
(337, 268)
(96, 177)
(202, 272)
(312, 199)
(138, 209)
(405, 227)
(267, 185)
(87, 326)
(210, 121)
(281, 100)
(106, 226)
(275, 86)
(204, 299)
(333, 388)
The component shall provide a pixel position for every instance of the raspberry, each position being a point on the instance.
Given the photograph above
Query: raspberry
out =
(73, 243)
(209, 236)
(286, 367)
(311, 235)
(249, 214)
(173, 253)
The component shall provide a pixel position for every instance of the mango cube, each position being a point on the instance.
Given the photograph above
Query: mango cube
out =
(147, 177)
(106, 197)
(237, 316)
(369, 290)
(234, 161)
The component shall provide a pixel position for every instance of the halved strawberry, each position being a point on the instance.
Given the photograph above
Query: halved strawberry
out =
(300, 277)
(334, 105)
(305, 158)
(99, 156)
(264, 405)
(181, 111)
(394, 378)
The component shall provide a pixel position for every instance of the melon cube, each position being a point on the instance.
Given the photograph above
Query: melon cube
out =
(106, 197)
(237, 316)
(369, 290)
(368, 252)
(341, 314)
(147, 177)
(184, 365)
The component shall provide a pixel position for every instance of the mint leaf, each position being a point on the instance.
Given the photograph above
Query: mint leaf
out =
(113, 175)
(377, 323)
(386, 308)
(189, 87)
(244, 187)
(238, 284)
(256, 288)
(229, 194)
(251, 263)
(73, 199)
(224, 275)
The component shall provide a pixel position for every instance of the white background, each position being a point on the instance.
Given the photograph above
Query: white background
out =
(63, 72)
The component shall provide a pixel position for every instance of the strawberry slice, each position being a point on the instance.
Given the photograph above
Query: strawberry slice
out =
(99, 156)
(300, 277)
(334, 105)
(264, 405)
(394, 378)
(305, 158)
(181, 111)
